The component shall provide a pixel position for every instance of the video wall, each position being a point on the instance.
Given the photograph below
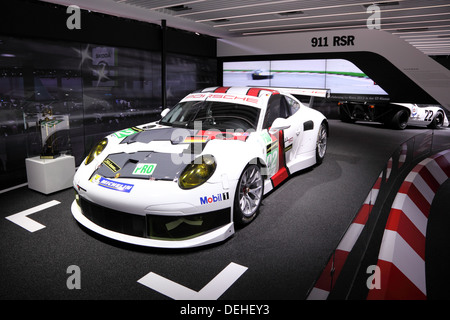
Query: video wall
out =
(340, 76)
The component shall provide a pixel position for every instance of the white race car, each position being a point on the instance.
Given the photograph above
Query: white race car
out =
(186, 180)
(394, 115)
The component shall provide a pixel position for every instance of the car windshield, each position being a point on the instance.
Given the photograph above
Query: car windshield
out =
(221, 116)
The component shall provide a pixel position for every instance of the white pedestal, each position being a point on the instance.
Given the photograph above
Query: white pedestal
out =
(50, 175)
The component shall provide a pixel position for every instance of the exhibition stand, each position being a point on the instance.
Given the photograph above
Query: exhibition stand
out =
(50, 175)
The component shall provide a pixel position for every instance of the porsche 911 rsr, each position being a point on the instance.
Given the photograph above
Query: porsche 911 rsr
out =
(261, 75)
(394, 115)
(189, 178)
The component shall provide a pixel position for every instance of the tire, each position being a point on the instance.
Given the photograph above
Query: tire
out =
(321, 143)
(344, 114)
(249, 193)
(400, 120)
(437, 122)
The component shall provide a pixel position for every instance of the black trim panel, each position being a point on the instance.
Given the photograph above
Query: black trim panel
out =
(308, 125)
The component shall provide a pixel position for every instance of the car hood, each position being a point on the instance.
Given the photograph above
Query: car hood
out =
(144, 165)
(161, 154)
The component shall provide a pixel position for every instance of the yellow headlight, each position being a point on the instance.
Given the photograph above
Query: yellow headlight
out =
(96, 151)
(196, 174)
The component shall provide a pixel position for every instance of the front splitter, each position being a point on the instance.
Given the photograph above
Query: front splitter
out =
(215, 236)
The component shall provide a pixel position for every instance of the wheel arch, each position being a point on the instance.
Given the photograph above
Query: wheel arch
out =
(325, 121)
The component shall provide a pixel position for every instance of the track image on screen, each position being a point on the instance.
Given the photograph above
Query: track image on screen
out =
(340, 76)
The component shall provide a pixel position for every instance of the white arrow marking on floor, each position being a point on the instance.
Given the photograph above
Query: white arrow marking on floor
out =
(22, 219)
(212, 291)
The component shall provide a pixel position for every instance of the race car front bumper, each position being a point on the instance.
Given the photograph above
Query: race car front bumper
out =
(154, 213)
(154, 230)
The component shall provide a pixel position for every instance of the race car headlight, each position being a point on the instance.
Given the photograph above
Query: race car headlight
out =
(197, 172)
(96, 151)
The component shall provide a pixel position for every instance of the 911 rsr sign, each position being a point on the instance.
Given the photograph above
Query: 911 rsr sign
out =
(336, 41)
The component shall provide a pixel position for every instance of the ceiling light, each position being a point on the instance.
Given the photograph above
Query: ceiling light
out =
(290, 13)
(383, 4)
(414, 30)
(421, 33)
(177, 7)
(420, 39)
(309, 29)
(236, 7)
(327, 28)
(344, 21)
(303, 9)
(320, 16)
(220, 20)
(426, 43)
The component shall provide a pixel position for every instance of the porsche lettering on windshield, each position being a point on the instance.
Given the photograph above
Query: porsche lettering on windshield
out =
(229, 97)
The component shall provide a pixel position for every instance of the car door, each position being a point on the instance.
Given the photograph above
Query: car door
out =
(293, 136)
(282, 141)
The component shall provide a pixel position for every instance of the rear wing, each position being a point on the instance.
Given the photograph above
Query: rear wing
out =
(322, 93)
(311, 93)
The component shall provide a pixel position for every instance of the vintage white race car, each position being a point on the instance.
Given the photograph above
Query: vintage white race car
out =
(186, 180)
(394, 115)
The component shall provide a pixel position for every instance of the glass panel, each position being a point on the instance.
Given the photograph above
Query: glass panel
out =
(36, 76)
(121, 88)
(188, 73)
(101, 89)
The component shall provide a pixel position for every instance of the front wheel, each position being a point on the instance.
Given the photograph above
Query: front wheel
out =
(321, 144)
(249, 193)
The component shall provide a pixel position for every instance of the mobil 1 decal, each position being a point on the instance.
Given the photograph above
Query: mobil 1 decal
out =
(214, 198)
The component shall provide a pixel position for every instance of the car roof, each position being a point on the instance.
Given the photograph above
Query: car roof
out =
(247, 91)
(254, 96)
(260, 91)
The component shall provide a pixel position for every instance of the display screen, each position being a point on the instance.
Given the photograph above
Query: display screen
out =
(340, 76)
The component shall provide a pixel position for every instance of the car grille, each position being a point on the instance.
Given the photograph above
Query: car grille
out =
(113, 220)
(155, 226)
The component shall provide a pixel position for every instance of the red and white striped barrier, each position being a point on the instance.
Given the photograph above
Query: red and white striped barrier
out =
(401, 259)
(329, 275)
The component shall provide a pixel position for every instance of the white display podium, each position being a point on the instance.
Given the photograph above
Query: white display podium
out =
(50, 175)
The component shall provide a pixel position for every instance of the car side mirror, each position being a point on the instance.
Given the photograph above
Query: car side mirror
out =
(164, 112)
(279, 124)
